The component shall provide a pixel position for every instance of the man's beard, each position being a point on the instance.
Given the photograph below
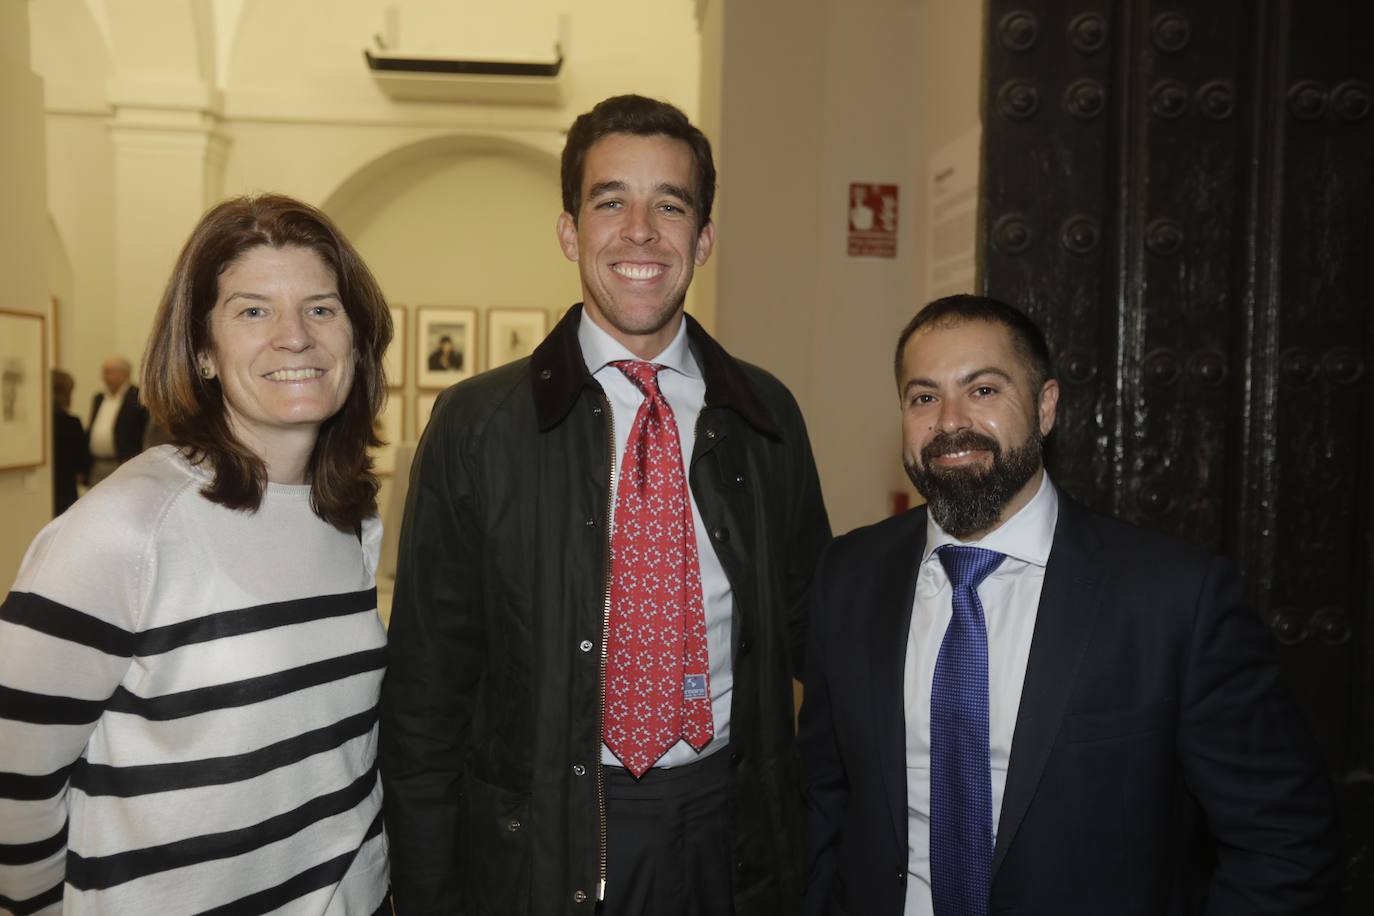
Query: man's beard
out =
(966, 500)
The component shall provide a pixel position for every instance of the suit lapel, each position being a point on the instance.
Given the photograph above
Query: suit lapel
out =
(1063, 624)
(893, 594)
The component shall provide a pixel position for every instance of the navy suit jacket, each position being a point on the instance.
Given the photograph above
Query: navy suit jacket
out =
(1151, 717)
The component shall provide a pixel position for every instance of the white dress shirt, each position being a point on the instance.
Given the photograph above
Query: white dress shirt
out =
(1011, 600)
(103, 424)
(685, 390)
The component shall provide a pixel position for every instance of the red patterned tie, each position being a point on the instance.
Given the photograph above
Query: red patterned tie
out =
(657, 680)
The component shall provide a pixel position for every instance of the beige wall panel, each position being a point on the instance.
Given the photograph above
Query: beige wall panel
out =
(71, 53)
(475, 229)
(25, 495)
(81, 204)
(814, 97)
(303, 59)
(949, 62)
(458, 221)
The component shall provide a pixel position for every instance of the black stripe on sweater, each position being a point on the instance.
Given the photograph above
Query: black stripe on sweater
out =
(26, 609)
(103, 872)
(312, 879)
(124, 782)
(29, 853)
(20, 787)
(33, 904)
(246, 692)
(45, 709)
(253, 619)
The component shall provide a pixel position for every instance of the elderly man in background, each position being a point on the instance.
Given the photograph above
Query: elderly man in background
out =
(117, 421)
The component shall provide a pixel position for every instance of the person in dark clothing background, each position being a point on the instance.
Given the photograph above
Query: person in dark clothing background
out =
(118, 419)
(71, 457)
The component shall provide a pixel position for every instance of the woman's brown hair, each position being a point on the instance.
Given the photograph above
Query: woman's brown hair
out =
(343, 488)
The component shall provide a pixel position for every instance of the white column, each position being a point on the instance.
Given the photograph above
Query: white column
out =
(169, 167)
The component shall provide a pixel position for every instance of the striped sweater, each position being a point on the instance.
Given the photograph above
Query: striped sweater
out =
(188, 707)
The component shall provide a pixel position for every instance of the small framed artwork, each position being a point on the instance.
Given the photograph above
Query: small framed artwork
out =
(394, 363)
(389, 426)
(513, 333)
(424, 406)
(23, 390)
(445, 345)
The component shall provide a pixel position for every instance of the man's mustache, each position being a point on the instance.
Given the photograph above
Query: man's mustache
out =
(965, 440)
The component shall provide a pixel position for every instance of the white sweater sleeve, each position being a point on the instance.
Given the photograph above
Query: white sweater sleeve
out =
(67, 634)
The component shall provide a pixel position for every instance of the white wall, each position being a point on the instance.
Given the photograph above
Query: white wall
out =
(462, 223)
(809, 96)
(25, 495)
(158, 108)
(949, 62)
(155, 109)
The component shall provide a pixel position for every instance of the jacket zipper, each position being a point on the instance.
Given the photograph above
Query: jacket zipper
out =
(601, 677)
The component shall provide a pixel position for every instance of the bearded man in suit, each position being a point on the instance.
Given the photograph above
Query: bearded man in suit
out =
(1016, 705)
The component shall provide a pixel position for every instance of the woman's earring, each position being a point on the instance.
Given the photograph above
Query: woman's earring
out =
(206, 371)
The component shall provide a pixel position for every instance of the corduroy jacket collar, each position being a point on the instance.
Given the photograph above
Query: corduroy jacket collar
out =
(559, 373)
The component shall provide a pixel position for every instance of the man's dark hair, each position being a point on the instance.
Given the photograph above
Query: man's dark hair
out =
(641, 117)
(950, 311)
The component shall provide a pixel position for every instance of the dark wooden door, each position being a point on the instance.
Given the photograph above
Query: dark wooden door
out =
(1180, 192)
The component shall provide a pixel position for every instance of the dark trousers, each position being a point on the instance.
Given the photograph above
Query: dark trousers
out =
(668, 841)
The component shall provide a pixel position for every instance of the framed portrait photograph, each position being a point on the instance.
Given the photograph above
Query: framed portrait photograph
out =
(394, 363)
(23, 390)
(424, 406)
(513, 333)
(445, 345)
(389, 425)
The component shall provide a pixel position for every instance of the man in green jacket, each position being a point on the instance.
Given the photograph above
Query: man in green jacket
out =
(588, 707)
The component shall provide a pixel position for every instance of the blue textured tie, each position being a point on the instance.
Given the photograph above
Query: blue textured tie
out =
(960, 773)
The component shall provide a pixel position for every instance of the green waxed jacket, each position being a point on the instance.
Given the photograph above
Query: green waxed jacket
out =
(491, 722)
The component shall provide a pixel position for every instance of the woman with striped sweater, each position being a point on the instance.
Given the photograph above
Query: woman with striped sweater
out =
(191, 656)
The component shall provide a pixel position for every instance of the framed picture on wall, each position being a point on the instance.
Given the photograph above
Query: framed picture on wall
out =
(445, 345)
(394, 364)
(23, 390)
(513, 333)
(424, 406)
(390, 429)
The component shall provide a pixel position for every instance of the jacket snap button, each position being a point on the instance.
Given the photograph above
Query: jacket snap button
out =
(721, 535)
(514, 824)
(546, 374)
(710, 434)
(739, 480)
(579, 896)
(590, 522)
(585, 645)
(579, 769)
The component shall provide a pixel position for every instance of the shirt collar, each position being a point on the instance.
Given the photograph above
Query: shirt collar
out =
(600, 349)
(1026, 536)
